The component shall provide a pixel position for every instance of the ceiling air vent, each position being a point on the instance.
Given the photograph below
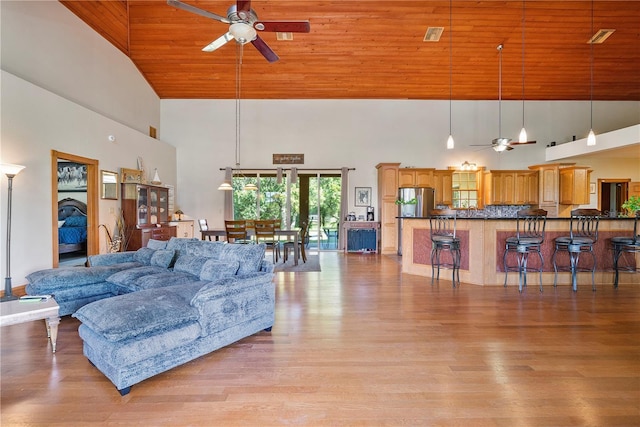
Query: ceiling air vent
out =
(433, 34)
(600, 36)
(284, 36)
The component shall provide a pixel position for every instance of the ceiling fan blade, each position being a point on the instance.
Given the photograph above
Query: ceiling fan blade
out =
(217, 43)
(264, 49)
(523, 143)
(184, 6)
(283, 26)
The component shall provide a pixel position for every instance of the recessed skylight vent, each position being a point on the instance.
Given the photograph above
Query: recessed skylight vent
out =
(433, 34)
(600, 36)
(284, 36)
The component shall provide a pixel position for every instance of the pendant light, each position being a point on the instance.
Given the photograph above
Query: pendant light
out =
(450, 142)
(523, 132)
(591, 138)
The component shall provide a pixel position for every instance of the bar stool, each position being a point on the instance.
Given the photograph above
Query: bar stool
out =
(443, 238)
(530, 225)
(625, 244)
(583, 229)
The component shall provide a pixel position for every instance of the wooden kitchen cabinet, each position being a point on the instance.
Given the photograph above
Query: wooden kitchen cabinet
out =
(443, 184)
(414, 177)
(574, 185)
(387, 208)
(511, 187)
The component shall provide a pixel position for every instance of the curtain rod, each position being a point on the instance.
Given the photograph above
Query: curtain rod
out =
(286, 169)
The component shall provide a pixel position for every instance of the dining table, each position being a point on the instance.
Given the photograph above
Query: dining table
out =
(291, 234)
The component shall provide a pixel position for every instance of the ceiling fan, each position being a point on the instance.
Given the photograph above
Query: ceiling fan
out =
(501, 144)
(244, 26)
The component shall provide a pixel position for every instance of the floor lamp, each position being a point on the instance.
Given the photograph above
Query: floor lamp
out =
(10, 171)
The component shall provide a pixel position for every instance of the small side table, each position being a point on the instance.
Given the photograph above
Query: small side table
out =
(14, 312)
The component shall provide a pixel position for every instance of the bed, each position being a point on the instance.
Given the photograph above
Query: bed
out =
(72, 226)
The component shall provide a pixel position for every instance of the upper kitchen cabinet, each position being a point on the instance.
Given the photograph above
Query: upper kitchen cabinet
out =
(443, 184)
(574, 185)
(414, 177)
(511, 187)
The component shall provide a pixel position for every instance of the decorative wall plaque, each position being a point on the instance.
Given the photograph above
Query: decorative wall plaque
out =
(288, 159)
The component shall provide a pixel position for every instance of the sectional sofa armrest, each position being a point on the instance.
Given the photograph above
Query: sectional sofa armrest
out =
(234, 300)
(111, 258)
(266, 266)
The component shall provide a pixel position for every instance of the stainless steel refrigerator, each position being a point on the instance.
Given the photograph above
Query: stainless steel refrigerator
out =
(414, 202)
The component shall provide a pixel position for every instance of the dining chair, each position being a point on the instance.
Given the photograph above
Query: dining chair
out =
(304, 230)
(626, 244)
(530, 226)
(265, 233)
(236, 231)
(442, 224)
(583, 235)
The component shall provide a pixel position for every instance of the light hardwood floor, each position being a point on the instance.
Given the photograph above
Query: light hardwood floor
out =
(361, 344)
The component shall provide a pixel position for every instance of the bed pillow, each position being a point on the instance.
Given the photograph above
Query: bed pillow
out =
(163, 258)
(75, 221)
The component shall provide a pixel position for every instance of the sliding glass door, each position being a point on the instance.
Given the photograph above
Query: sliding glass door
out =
(313, 198)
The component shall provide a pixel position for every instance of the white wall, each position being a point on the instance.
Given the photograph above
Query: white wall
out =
(361, 134)
(47, 45)
(65, 88)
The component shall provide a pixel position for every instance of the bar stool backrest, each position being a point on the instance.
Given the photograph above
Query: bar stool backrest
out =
(584, 223)
(443, 223)
(531, 223)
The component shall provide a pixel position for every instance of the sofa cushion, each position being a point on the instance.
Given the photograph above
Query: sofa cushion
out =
(127, 316)
(249, 256)
(126, 280)
(162, 280)
(163, 258)
(214, 269)
(143, 255)
(52, 280)
(190, 264)
(157, 244)
(180, 244)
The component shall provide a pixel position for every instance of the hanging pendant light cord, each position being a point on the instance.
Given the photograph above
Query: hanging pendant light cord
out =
(238, 83)
(450, 60)
(523, 22)
(591, 67)
(500, 91)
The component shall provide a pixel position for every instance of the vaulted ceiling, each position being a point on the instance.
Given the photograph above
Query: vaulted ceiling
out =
(366, 49)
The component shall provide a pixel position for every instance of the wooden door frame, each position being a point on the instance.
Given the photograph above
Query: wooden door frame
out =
(609, 181)
(92, 202)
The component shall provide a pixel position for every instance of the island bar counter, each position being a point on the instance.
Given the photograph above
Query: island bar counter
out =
(482, 249)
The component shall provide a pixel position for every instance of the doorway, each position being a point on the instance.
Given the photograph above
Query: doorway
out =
(613, 193)
(70, 188)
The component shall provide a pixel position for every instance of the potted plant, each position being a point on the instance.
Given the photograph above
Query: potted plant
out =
(632, 205)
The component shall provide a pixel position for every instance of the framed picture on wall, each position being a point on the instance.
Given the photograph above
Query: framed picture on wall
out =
(131, 175)
(72, 177)
(363, 196)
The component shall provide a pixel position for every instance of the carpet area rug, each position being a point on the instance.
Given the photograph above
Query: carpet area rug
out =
(312, 264)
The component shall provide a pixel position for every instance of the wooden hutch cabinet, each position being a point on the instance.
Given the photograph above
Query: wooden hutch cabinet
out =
(145, 209)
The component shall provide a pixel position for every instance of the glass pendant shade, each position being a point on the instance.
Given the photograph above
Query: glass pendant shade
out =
(591, 139)
(523, 135)
(226, 186)
(251, 187)
(450, 142)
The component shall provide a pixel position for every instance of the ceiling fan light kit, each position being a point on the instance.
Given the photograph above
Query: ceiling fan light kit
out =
(244, 26)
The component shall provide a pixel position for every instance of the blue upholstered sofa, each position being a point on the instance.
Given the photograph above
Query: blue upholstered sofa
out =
(147, 311)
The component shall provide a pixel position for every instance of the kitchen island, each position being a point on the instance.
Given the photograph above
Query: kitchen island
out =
(482, 243)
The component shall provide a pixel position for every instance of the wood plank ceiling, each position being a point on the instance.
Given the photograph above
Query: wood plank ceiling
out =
(375, 50)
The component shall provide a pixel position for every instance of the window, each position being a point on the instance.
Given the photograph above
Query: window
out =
(465, 189)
